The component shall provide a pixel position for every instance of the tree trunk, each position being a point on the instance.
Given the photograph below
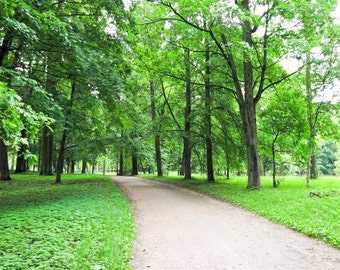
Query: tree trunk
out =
(60, 161)
(310, 118)
(83, 166)
(104, 167)
(134, 170)
(228, 173)
(313, 168)
(274, 165)
(5, 46)
(121, 163)
(180, 170)
(73, 163)
(208, 133)
(4, 167)
(248, 109)
(253, 170)
(21, 164)
(46, 151)
(187, 122)
(245, 96)
(158, 152)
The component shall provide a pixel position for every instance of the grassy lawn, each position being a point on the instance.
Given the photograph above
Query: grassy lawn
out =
(84, 223)
(290, 204)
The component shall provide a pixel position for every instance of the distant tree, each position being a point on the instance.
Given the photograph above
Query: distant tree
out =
(281, 123)
(326, 158)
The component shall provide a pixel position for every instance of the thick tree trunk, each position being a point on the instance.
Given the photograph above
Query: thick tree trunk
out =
(248, 109)
(228, 173)
(21, 164)
(253, 169)
(313, 168)
(5, 46)
(83, 166)
(4, 167)
(134, 170)
(46, 155)
(187, 122)
(208, 133)
(158, 152)
(73, 163)
(46, 160)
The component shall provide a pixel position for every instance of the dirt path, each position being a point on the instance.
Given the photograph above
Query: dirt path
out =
(181, 229)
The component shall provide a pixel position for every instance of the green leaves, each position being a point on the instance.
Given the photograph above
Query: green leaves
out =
(16, 116)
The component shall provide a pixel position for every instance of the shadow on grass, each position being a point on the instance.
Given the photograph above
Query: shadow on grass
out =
(28, 190)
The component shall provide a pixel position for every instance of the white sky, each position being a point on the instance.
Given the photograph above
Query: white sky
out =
(127, 3)
(336, 13)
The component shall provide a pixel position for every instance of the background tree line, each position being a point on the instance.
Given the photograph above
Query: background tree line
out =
(211, 87)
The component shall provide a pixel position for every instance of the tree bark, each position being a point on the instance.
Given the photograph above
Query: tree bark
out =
(104, 166)
(5, 46)
(253, 170)
(313, 168)
(60, 161)
(21, 164)
(83, 166)
(208, 133)
(248, 108)
(121, 163)
(4, 167)
(274, 163)
(187, 122)
(46, 151)
(46, 156)
(72, 166)
(134, 170)
(157, 138)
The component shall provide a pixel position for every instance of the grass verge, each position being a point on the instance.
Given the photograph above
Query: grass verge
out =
(314, 211)
(83, 223)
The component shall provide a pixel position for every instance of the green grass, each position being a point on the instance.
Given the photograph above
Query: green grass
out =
(291, 204)
(84, 223)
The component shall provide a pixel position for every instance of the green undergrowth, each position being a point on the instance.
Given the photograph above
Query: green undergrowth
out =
(314, 211)
(83, 223)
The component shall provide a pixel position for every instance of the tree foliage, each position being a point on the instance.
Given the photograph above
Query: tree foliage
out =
(187, 86)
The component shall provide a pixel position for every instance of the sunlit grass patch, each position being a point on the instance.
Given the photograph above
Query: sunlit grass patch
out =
(84, 223)
(291, 204)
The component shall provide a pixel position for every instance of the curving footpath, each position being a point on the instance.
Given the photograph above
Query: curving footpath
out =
(181, 229)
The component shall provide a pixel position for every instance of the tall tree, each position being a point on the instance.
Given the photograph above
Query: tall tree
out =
(158, 154)
(254, 28)
(208, 127)
(187, 120)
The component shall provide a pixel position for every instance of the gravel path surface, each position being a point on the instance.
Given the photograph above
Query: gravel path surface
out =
(181, 229)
